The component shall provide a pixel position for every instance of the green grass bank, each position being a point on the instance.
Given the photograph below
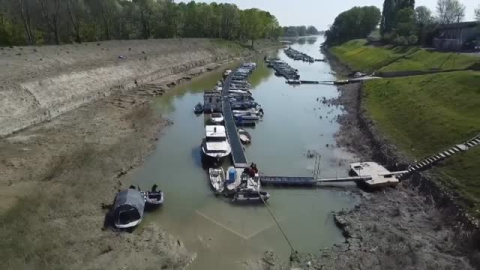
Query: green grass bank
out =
(360, 56)
(424, 114)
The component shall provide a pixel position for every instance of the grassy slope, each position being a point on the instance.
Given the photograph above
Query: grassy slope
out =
(369, 58)
(425, 114)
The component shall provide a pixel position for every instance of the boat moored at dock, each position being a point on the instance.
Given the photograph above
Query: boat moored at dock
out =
(217, 179)
(215, 145)
(127, 210)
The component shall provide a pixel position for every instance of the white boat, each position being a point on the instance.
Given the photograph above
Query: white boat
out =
(251, 112)
(244, 136)
(227, 72)
(217, 88)
(216, 118)
(215, 145)
(249, 196)
(217, 179)
(240, 92)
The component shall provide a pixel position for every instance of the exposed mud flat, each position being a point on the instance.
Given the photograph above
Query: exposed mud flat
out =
(56, 176)
(43, 82)
(402, 228)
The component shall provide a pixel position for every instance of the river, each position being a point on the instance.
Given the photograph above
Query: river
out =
(228, 236)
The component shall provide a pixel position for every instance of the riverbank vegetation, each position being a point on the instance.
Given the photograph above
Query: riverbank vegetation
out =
(362, 57)
(299, 31)
(420, 114)
(355, 23)
(37, 22)
(427, 114)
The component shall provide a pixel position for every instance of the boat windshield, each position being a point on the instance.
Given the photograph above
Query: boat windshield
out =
(216, 139)
(216, 115)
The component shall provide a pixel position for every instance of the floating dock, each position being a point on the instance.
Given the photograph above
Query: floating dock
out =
(283, 69)
(299, 56)
(238, 155)
(294, 181)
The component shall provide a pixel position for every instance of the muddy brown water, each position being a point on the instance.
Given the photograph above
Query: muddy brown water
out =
(229, 236)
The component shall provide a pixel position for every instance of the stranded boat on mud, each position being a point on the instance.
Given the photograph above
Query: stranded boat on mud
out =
(127, 209)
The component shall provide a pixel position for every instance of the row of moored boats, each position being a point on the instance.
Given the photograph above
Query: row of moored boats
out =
(238, 184)
(299, 56)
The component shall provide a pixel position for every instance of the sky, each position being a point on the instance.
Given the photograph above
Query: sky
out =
(321, 13)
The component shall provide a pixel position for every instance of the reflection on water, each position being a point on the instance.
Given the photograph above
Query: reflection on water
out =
(225, 235)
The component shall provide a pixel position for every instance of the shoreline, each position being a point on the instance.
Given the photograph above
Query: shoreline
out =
(407, 227)
(82, 158)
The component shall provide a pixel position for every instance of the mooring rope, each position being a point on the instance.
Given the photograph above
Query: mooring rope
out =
(276, 221)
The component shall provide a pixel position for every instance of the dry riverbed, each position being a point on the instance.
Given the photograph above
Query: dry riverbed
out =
(57, 177)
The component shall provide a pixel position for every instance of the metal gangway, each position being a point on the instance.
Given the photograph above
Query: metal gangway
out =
(238, 155)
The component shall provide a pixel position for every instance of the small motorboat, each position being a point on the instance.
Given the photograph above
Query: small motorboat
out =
(217, 179)
(251, 117)
(153, 197)
(240, 92)
(198, 109)
(216, 118)
(251, 196)
(244, 136)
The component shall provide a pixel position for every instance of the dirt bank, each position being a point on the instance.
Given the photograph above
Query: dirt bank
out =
(40, 83)
(402, 228)
(55, 176)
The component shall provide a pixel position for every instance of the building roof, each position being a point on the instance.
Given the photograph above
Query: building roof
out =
(458, 25)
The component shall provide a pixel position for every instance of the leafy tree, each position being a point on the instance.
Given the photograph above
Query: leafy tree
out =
(311, 30)
(357, 22)
(55, 21)
(477, 13)
(423, 15)
(295, 31)
(76, 13)
(50, 10)
(450, 11)
(425, 23)
(390, 10)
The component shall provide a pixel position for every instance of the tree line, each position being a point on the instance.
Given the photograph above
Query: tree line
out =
(31, 22)
(355, 23)
(298, 31)
(400, 22)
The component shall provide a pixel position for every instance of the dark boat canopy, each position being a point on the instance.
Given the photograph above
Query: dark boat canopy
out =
(129, 198)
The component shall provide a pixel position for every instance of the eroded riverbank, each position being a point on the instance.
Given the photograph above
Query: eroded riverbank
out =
(402, 228)
(56, 176)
